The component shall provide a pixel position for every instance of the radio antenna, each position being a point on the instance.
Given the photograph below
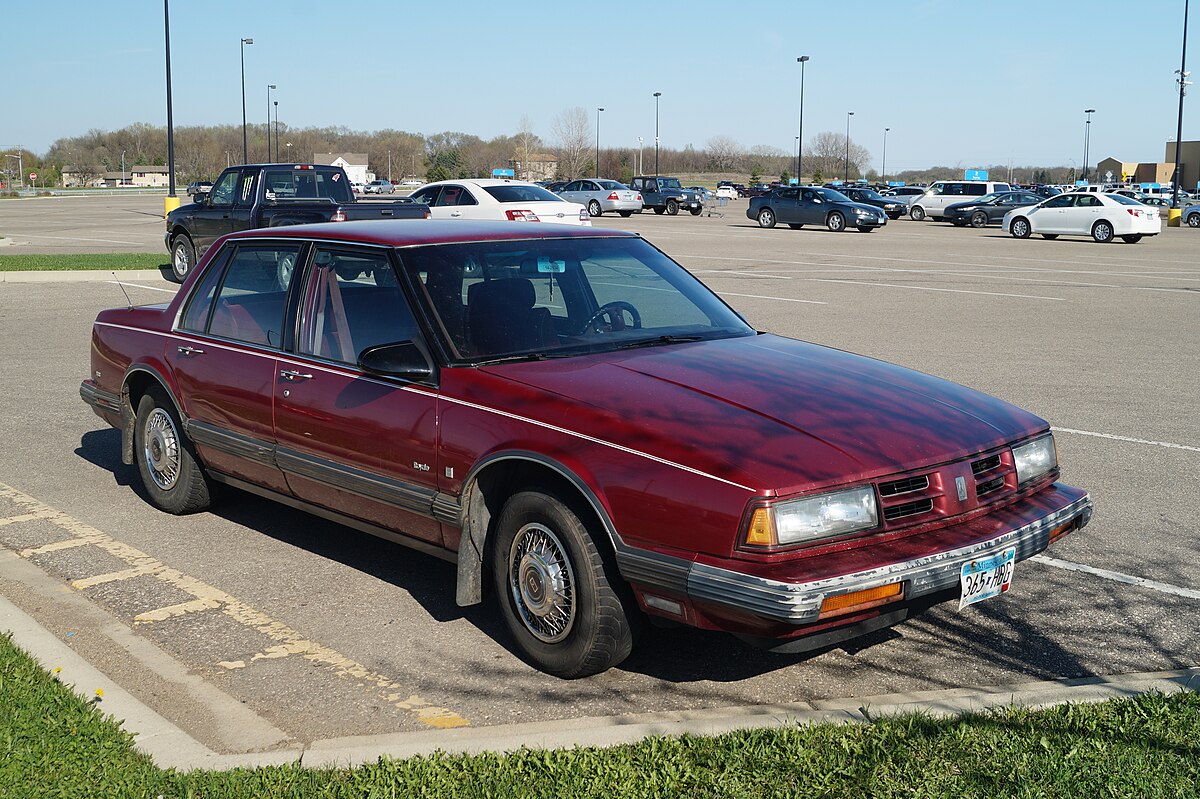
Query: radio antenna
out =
(122, 287)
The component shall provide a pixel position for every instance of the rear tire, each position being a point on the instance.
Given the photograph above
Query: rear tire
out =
(766, 218)
(594, 208)
(625, 214)
(1193, 220)
(172, 476)
(696, 211)
(1020, 228)
(1049, 236)
(865, 229)
(917, 213)
(183, 257)
(1102, 232)
(795, 225)
(658, 209)
(1132, 238)
(561, 602)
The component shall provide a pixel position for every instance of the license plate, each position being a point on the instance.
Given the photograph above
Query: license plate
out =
(986, 577)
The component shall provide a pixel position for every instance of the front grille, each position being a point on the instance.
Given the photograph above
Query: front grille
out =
(985, 464)
(913, 508)
(995, 484)
(908, 485)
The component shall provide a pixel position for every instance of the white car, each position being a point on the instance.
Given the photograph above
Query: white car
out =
(358, 188)
(514, 200)
(727, 192)
(1101, 216)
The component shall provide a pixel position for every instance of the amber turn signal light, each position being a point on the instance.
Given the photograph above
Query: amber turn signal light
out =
(860, 600)
(762, 529)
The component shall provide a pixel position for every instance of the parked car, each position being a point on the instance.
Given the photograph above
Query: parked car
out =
(511, 200)
(583, 427)
(380, 187)
(269, 195)
(892, 207)
(941, 193)
(199, 187)
(358, 188)
(904, 192)
(798, 206)
(1191, 215)
(1101, 216)
(411, 183)
(666, 195)
(988, 209)
(1158, 202)
(728, 191)
(600, 195)
(702, 192)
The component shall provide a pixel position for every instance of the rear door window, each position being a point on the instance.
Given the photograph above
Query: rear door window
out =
(975, 189)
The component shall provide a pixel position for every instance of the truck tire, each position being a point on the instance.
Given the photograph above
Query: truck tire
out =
(672, 207)
(697, 210)
(183, 257)
(658, 209)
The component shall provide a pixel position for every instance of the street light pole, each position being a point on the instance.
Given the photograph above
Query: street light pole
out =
(122, 167)
(846, 177)
(802, 60)
(270, 86)
(1087, 135)
(598, 110)
(1183, 83)
(883, 168)
(170, 201)
(639, 169)
(276, 129)
(656, 96)
(245, 149)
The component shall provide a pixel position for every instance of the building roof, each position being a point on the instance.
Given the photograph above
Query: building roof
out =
(358, 159)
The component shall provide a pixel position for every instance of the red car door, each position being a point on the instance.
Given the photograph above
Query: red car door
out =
(360, 444)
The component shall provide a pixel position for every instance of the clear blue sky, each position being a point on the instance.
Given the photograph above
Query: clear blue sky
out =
(957, 82)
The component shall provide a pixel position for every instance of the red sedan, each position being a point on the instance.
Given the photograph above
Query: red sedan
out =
(574, 419)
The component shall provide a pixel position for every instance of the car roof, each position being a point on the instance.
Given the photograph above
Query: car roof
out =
(483, 183)
(417, 232)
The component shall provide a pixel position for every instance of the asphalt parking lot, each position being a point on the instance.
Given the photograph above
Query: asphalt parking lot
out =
(256, 625)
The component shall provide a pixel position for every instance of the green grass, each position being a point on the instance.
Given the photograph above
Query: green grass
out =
(98, 261)
(53, 743)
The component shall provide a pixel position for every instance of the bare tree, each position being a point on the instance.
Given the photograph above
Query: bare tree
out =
(724, 154)
(827, 153)
(574, 136)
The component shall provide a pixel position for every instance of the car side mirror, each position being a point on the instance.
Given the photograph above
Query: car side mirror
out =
(200, 197)
(403, 359)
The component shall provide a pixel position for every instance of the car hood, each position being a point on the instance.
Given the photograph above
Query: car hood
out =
(774, 414)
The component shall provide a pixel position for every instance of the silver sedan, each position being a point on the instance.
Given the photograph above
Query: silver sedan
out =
(599, 195)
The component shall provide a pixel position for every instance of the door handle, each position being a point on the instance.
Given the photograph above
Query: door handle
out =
(288, 374)
(456, 213)
(189, 351)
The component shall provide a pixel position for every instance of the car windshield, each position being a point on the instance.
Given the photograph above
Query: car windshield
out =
(309, 184)
(554, 298)
(830, 195)
(669, 183)
(522, 194)
(988, 198)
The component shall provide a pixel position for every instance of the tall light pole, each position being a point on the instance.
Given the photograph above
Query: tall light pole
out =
(122, 167)
(802, 60)
(598, 110)
(270, 86)
(846, 177)
(640, 142)
(656, 96)
(245, 149)
(1183, 84)
(171, 202)
(276, 128)
(1087, 135)
(883, 169)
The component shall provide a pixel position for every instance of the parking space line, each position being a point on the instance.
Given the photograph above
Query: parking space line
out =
(1127, 579)
(24, 517)
(140, 286)
(207, 597)
(1128, 439)
(930, 288)
(113, 577)
(763, 297)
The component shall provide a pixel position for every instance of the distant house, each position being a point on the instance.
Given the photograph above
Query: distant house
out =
(355, 165)
(536, 167)
(134, 175)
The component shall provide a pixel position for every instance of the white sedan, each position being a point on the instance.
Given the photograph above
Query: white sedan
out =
(514, 200)
(1101, 216)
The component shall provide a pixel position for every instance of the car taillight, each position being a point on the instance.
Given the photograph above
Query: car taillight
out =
(1133, 211)
(584, 216)
(427, 214)
(338, 216)
(302, 166)
(521, 216)
(613, 196)
(639, 198)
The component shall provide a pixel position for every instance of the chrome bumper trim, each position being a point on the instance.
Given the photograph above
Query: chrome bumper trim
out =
(800, 603)
(98, 398)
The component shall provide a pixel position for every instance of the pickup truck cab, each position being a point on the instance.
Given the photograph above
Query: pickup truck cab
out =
(666, 195)
(269, 195)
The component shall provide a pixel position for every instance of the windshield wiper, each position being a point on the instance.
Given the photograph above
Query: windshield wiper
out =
(658, 341)
(524, 356)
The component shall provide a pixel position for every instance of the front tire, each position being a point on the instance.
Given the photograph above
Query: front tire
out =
(1132, 238)
(183, 257)
(1020, 228)
(658, 209)
(558, 597)
(672, 207)
(795, 225)
(1103, 232)
(173, 478)
(766, 218)
(696, 211)
(865, 229)
(917, 213)
(836, 222)
(1049, 236)
(979, 219)
(1193, 220)
(594, 208)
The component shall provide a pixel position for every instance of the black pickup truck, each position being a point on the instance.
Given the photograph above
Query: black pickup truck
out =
(270, 195)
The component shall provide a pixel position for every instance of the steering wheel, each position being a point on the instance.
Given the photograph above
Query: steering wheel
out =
(615, 311)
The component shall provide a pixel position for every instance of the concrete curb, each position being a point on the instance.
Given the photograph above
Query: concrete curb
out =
(171, 747)
(84, 276)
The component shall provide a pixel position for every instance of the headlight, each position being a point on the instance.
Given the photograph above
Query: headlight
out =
(1035, 458)
(863, 212)
(800, 521)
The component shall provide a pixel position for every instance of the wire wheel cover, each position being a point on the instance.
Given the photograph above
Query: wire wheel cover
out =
(542, 583)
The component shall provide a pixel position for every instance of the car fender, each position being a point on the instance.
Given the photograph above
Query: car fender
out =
(159, 373)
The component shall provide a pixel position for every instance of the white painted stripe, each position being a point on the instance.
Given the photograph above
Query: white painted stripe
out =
(140, 286)
(928, 288)
(1128, 579)
(1129, 439)
(763, 297)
